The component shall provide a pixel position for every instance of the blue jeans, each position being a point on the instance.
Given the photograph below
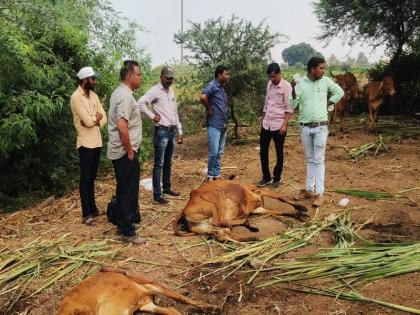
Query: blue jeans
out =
(314, 142)
(164, 143)
(217, 141)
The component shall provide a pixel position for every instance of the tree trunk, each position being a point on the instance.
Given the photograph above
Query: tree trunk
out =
(235, 121)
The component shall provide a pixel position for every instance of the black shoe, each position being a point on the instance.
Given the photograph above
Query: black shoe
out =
(172, 193)
(264, 182)
(161, 201)
(276, 183)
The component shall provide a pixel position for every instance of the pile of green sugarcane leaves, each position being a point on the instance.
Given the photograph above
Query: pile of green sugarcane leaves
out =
(345, 268)
(359, 152)
(260, 252)
(374, 195)
(342, 267)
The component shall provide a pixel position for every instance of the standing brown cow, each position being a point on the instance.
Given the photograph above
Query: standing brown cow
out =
(348, 83)
(375, 92)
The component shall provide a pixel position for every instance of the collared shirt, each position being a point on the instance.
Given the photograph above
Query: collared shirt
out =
(163, 103)
(123, 105)
(312, 98)
(84, 108)
(217, 99)
(277, 104)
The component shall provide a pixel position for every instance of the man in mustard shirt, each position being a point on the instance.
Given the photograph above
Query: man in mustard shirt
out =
(311, 97)
(89, 116)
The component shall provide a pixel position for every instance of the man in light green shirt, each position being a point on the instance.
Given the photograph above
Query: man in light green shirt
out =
(311, 97)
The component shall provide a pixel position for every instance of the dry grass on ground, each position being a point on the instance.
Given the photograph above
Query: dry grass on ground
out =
(174, 260)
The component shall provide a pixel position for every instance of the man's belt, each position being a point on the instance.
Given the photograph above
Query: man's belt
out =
(314, 124)
(166, 127)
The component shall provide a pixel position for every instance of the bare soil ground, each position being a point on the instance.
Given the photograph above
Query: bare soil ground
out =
(169, 259)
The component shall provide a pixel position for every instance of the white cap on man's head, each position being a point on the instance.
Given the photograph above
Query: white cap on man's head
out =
(86, 72)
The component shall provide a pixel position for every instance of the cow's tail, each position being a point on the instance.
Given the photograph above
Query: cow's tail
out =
(180, 219)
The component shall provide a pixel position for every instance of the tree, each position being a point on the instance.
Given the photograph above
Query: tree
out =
(393, 23)
(299, 65)
(301, 52)
(333, 61)
(284, 66)
(243, 47)
(348, 64)
(43, 44)
(362, 60)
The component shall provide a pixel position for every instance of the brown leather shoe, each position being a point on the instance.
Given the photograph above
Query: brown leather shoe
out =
(304, 195)
(318, 201)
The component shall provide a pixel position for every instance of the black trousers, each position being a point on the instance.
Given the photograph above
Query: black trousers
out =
(265, 139)
(89, 162)
(127, 174)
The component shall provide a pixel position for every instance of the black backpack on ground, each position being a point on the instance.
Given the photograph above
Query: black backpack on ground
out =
(112, 208)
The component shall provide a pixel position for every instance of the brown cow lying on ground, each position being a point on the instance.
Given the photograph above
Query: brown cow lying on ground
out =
(348, 83)
(216, 206)
(375, 92)
(117, 292)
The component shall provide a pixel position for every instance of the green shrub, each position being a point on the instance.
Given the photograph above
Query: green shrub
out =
(43, 44)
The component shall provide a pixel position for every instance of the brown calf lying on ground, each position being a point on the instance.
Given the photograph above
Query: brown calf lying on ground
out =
(375, 92)
(216, 206)
(348, 83)
(118, 292)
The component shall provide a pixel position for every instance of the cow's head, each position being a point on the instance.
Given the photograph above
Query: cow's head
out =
(387, 86)
(355, 91)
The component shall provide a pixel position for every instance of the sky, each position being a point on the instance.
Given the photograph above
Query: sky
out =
(293, 18)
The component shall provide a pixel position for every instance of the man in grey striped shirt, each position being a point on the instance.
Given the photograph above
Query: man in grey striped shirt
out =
(125, 128)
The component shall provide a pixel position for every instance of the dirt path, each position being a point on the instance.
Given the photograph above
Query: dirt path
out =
(166, 257)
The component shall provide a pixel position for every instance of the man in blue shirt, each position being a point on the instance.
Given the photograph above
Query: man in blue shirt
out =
(214, 98)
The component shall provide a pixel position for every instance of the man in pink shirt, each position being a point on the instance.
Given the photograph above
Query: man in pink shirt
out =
(168, 129)
(276, 114)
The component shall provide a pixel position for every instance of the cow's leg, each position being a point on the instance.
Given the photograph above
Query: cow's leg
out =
(156, 287)
(220, 234)
(261, 210)
(333, 120)
(207, 229)
(236, 222)
(275, 213)
(152, 308)
(370, 117)
(244, 222)
(376, 115)
(218, 212)
(344, 121)
(277, 196)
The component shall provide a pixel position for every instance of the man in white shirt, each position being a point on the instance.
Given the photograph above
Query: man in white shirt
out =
(164, 114)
